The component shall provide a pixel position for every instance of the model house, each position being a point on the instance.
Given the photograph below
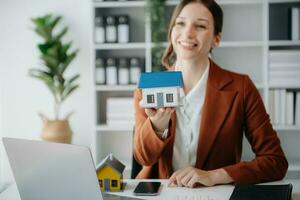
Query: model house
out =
(160, 89)
(110, 174)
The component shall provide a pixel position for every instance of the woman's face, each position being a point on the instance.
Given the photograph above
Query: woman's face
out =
(192, 35)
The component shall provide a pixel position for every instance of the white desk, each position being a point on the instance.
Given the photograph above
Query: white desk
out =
(222, 192)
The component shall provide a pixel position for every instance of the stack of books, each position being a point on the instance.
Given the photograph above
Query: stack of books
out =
(120, 111)
(284, 107)
(284, 68)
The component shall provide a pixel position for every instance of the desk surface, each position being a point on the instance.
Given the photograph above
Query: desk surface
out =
(221, 192)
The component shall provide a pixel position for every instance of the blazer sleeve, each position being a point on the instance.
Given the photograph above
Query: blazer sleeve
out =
(148, 146)
(270, 163)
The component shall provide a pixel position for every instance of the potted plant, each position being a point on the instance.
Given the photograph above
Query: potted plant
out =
(56, 57)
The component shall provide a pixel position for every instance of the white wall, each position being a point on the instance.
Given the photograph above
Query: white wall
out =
(22, 96)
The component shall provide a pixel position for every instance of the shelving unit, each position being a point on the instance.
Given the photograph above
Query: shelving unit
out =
(244, 48)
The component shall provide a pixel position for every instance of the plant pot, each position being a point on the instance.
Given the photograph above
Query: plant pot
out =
(56, 131)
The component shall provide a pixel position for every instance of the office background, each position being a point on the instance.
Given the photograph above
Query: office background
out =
(21, 96)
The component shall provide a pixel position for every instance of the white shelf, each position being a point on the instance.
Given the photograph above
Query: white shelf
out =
(117, 4)
(286, 128)
(282, 86)
(242, 44)
(284, 43)
(227, 44)
(223, 2)
(129, 4)
(115, 87)
(294, 166)
(283, 1)
(115, 128)
(110, 46)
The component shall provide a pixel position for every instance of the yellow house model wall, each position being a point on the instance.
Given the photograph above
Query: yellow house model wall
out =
(109, 173)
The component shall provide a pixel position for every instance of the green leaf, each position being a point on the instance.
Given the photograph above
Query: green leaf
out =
(69, 91)
(50, 62)
(39, 72)
(68, 61)
(44, 47)
(71, 80)
(53, 22)
(54, 50)
(61, 34)
(66, 47)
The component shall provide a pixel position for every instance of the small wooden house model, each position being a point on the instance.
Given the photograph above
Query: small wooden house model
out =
(110, 174)
(160, 89)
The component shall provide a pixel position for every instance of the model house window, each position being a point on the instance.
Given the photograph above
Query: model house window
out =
(150, 98)
(101, 183)
(170, 98)
(114, 183)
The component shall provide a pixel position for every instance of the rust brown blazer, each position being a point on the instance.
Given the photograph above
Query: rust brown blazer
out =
(232, 107)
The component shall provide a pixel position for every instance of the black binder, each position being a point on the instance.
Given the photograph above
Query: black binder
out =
(262, 192)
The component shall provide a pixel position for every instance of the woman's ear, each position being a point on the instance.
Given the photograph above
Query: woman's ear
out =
(217, 40)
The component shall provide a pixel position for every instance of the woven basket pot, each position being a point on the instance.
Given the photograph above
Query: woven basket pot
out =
(56, 131)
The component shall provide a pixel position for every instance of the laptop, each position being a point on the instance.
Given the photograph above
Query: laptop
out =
(47, 171)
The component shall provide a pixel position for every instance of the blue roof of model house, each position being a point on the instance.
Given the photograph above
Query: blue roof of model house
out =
(160, 79)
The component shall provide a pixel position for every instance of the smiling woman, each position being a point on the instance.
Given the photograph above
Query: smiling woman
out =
(204, 140)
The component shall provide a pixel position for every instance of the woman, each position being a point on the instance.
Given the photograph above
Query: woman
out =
(200, 143)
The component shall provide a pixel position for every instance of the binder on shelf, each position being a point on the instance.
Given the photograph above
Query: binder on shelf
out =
(100, 71)
(262, 192)
(111, 72)
(99, 32)
(297, 108)
(295, 23)
(282, 106)
(111, 29)
(123, 72)
(289, 108)
(123, 29)
(277, 103)
(272, 106)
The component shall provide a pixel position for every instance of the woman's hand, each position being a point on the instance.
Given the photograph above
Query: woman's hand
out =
(192, 177)
(160, 117)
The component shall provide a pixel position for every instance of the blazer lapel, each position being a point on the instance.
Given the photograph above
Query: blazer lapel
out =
(217, 104)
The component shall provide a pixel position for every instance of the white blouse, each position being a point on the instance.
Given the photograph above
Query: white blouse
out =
(188, 118)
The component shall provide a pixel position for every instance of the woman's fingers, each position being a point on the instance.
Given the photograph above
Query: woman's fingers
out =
(178, 176)
(185, 180)
(150, 112)
(161, 112)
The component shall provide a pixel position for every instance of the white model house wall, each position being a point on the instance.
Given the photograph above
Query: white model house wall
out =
(165, 90)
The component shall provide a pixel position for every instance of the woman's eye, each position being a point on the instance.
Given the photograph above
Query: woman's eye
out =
(180, 23)
(201, 26)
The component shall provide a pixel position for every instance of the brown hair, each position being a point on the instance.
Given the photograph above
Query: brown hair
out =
(217, 13)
